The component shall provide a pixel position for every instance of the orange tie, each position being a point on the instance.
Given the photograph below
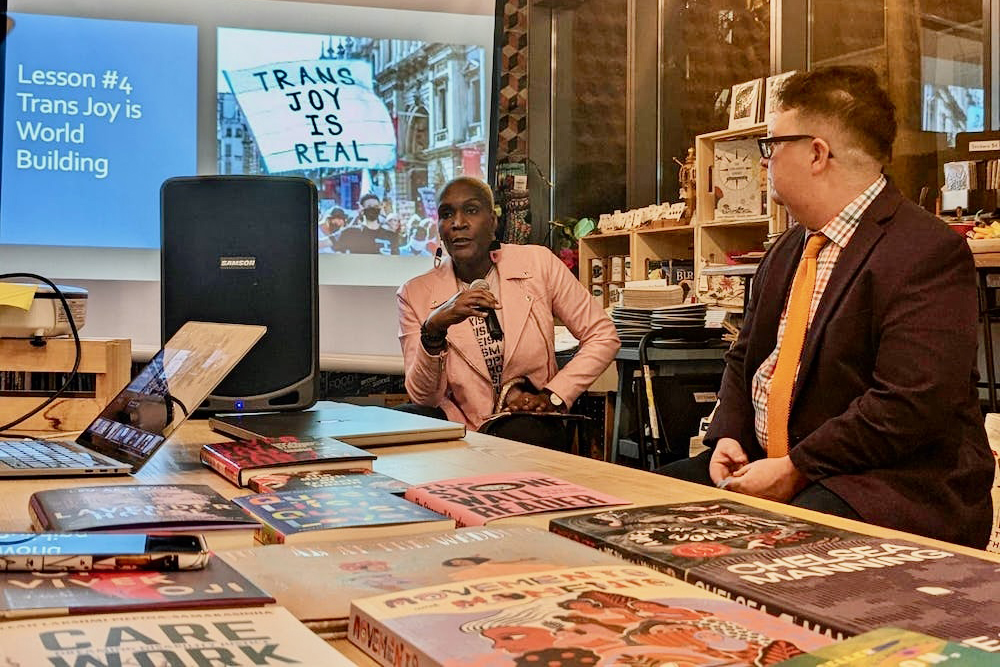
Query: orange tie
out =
(779, 400)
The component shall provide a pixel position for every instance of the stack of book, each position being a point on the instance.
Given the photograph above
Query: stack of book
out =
(651, 294)
(833, 581)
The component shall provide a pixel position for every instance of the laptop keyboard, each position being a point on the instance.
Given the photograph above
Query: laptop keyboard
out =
(39, 454)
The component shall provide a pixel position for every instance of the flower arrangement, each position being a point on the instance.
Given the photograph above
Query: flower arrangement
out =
(564, 238)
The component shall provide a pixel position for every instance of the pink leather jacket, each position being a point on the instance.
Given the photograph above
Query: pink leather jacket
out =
(535, 285)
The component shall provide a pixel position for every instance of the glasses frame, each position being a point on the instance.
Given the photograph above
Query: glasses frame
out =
(766, 144)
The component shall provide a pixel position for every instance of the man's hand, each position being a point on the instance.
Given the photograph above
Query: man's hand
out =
(727, 458)
(773, 479)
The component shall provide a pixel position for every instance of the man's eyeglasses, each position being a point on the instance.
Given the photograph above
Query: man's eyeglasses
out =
(766, 144)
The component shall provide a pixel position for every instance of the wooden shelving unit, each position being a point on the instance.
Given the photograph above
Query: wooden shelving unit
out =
(706, 238)
(109, 360)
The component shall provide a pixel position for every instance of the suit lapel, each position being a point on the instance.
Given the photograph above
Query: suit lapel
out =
(850, 261)
(516, 306)
(461, 339)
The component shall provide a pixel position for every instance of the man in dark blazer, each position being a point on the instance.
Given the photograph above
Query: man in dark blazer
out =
(884, 423)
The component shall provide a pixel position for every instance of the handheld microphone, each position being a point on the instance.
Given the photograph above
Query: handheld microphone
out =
(492, 323)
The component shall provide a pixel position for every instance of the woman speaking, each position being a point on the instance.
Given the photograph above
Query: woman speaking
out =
(477, 330)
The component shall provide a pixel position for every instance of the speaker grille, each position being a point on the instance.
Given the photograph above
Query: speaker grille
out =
(242, 249)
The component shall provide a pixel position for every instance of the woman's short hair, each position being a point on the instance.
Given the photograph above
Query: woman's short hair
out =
(481, 187)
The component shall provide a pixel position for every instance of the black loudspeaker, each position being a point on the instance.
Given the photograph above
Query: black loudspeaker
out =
(242, 249)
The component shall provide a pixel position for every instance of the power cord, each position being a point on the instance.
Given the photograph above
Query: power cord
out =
(38, 342)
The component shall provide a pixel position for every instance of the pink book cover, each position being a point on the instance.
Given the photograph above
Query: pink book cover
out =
(475, 501)
(621, 615)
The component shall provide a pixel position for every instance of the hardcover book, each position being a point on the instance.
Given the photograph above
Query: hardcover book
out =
(337, 513)
(27, 594)
(475, 501)
(836, 582)
(240, 460)
(893, 647)
(329, 575)
(318, 479)
(134, 508)
(599, 615)
(259, 636)
(848, 587)
(674, 538)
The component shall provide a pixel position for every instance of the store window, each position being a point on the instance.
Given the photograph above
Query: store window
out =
(707, 47)
(929, 55)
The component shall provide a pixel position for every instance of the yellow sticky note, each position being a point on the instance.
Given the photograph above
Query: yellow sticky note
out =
(17, 295)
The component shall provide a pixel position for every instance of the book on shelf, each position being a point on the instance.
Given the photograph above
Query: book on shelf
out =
(318, 479)
(597, 615)
(31, 594)
(475, 501)
(337, 513)
(240, 460)
(838, 583)
(247, 636)
(894, 647)
(328, 575)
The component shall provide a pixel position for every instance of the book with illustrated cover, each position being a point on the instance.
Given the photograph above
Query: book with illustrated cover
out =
(318, 479)
(337, 513)
(135, 508)
(237, 637)
(27, 594)
(475, 501)
(240, 460)
(676, 537)
(854, 585)
(598, 615)
(834, 581)
(894, 647)
(328, 575)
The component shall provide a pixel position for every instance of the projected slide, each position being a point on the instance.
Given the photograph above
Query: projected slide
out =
(97, 114)
(378, 124)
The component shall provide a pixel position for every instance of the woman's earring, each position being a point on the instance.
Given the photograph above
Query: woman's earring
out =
(437, 258)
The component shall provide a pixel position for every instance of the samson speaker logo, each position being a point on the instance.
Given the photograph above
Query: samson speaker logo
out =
(237, 262)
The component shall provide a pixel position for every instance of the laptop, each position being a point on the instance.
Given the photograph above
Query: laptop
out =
(137, 422)
(358, 425)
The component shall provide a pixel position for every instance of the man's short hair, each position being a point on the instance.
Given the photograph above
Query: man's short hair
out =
(337, 212)
(369, 195)
(853, 98)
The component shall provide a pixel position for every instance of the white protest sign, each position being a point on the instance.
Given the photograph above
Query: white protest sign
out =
(312, 114)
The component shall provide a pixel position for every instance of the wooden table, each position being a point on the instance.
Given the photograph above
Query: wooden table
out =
(177, 462)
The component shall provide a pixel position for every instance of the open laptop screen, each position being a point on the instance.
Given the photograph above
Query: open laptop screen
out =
(174, 383)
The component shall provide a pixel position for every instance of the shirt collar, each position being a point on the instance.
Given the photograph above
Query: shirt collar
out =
(842, 227)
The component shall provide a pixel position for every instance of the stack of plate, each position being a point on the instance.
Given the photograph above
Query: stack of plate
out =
(680, 323)
(632, 323)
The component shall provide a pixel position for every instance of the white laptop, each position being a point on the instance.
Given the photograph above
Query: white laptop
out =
(143, 415)
(358, 425)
